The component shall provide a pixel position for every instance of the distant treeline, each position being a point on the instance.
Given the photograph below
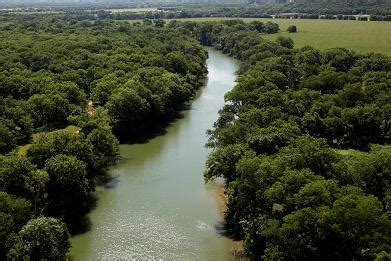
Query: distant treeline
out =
(303, 144)
(379, 11)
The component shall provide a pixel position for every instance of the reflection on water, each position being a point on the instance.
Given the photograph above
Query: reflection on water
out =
(158, 206)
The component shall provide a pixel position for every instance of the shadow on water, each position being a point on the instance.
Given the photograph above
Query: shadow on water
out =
(79, 224)
(221, 230)
(157, 127)
(112, 183)
(150, 131)
(82, 225)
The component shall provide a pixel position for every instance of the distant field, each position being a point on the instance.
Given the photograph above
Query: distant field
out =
(134, 10)
(359, 36)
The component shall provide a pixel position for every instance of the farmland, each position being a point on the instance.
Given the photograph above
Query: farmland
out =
(359, 36)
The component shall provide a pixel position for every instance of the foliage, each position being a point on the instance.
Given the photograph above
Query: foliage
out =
(292, 29)
(290, 195)
(68, 186)
(15, 124)
(14, 213)
(110, 80)
(41, 238)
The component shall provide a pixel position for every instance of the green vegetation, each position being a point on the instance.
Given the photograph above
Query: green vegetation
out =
(137, 78)
(263, 8)
(379, 10)
(22, 150)
(41, 237)
(291, 195)
(359, 36)
(301, 143)
(292, 29)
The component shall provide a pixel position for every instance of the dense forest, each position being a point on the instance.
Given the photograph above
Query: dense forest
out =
(107, 80)
(303, 142)
(303, 146)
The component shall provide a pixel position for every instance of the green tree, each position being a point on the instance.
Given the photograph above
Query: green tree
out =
(42, 239)
(68, 187)
(14, 170)
(292, 29)
(14, 213)
(36, 185)
(102, 91)
(285, 42)
(127, 108)
(105, 148)
(48, 145)
(49, 109)
(159, 22)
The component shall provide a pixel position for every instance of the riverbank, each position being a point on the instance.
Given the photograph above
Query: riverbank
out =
(158, 205)
(236, 246)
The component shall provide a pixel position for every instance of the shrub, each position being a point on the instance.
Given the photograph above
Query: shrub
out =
(292, 29)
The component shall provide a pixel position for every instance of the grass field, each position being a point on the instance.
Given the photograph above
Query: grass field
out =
(21, 150)
(134, 10)
(360, 36)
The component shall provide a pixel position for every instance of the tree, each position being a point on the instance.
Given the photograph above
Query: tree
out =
(15, 124)
(48, 145)
(340, 58)
(105, 148)
(292, 29)
(102, 91)
(68, 187)
(42, 239)
(271, 28)
(71, 92)
(176, 62)
(14, 213)
(257, 26)
(159, 22)
(285, 42)
(14, 170)
(49, 109)
(36, 185)
(127, 108)
(222, 162)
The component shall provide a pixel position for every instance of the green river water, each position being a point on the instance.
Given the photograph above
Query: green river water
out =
(158, 207)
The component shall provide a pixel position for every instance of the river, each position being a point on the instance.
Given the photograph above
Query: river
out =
(158, 206)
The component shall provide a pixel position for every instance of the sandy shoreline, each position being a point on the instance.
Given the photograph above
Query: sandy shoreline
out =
(236, 246)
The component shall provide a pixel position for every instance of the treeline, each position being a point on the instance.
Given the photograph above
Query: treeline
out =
(328, 7)
(209, 33)
(333, 10)
(100, 76)
(303, 146)
(306, 10)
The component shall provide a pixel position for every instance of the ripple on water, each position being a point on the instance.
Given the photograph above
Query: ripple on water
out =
(146, 236)
(202, 225)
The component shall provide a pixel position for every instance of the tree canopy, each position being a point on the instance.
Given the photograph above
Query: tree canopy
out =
(303, 144)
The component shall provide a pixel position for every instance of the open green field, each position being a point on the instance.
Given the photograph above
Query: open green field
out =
(22, 150)
(134, 10)
(360, 36)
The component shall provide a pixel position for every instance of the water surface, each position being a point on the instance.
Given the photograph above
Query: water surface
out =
(158, 206)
